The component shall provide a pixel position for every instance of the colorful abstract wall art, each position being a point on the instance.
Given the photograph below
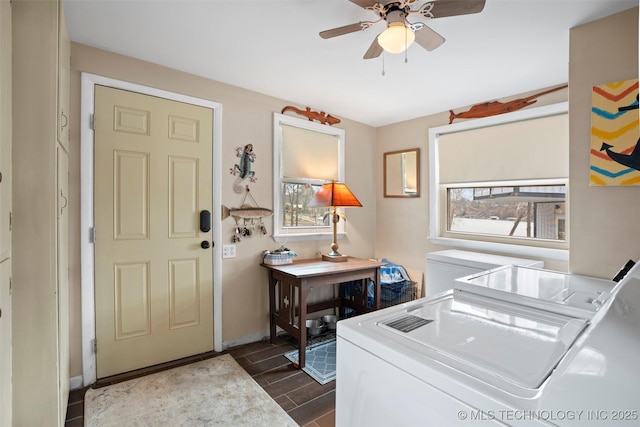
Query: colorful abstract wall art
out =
(615, 151)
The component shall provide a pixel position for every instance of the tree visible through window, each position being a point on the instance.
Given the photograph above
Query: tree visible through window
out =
(295, 209)
(306, 155)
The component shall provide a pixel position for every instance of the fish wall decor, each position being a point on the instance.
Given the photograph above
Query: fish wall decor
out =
(248, 218)
(494, 108)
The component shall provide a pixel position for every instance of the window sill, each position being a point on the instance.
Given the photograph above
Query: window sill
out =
(530, 251)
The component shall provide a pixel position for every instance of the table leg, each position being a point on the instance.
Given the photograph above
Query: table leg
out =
(302, 342)
(272, 307)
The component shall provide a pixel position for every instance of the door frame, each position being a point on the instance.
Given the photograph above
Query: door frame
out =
(87, 267)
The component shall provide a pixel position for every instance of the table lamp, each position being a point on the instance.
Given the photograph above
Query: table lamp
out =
(334, 195)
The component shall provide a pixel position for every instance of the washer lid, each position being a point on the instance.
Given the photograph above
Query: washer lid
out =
(570, 294)
(489, 339)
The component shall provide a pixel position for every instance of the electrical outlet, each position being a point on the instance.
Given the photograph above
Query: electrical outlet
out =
(228, 251)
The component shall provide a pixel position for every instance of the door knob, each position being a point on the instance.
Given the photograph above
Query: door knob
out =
(205, 244)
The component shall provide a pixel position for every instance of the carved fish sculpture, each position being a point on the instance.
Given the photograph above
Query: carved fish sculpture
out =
(245, 212)
(493, 108)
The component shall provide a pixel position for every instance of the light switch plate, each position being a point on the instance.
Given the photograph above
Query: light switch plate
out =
(228, 251)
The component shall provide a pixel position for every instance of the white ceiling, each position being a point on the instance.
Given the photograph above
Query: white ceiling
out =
(273, 47)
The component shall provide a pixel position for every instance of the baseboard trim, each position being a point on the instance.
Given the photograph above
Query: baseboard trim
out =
(258, 336)
(75, 383)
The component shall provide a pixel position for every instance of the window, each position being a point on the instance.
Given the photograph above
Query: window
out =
(500, 183)
(520, 211)
(306, 155)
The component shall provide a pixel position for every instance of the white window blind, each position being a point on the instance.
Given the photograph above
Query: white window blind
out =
(524, 150)
(309, 154)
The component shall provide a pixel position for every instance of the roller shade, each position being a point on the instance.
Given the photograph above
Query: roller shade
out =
(309, 154)
(528, 149)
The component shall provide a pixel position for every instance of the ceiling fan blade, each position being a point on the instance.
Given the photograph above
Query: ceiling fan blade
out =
(374, 50)
(351, 28)
(443, 8)
(364, 3)
(428, 39)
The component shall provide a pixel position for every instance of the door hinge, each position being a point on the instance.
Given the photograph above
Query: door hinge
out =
(92, 121)
(94, 346)
(92, 234)
(10, 220)
(10, 285)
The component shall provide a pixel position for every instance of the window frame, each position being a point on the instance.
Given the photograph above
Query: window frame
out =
(283, 234)
(438, 198)
(516, 240)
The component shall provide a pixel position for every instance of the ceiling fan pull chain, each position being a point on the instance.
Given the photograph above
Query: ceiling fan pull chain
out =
(406, 47)
(383, 63)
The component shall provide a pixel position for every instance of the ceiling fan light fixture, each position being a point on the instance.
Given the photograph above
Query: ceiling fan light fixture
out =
(396, 38)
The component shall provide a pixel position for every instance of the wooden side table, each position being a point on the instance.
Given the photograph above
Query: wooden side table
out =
(290, 285)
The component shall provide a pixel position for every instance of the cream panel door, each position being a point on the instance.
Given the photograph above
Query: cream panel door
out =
(62, 188)
(5, 209)
(153, 284)
(5, 344)
(64, 71)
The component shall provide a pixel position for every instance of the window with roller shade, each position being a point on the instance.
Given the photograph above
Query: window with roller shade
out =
(502, 179)
(306, 155)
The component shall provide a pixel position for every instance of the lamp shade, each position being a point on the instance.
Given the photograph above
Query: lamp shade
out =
(396, 38)
(335, 194)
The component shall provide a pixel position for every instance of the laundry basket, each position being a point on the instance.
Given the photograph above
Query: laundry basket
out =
(396, 286)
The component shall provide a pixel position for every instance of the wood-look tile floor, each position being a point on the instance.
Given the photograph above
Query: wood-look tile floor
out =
(307, 402)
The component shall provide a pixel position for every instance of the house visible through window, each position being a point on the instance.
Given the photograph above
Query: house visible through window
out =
(517, 211)
(306, 155)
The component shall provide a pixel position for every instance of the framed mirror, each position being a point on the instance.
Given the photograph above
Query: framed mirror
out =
(402, 173)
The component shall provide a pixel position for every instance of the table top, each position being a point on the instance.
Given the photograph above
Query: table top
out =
(315, 267)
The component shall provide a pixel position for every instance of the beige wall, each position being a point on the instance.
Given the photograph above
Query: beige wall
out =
(384, 227)
(403, 224)
(605, 231)
(247, 117)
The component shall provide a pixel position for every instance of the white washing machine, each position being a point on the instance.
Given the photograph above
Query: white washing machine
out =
(444, 267)
(514, 346)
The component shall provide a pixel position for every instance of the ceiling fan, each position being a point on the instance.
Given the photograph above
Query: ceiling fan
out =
(400, 33)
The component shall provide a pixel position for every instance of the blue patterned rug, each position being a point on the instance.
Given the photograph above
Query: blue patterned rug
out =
(321, 361)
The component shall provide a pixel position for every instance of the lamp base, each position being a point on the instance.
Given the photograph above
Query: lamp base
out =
(335, 258)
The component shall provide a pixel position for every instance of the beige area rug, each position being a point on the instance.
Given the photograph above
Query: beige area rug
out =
(214, 392)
